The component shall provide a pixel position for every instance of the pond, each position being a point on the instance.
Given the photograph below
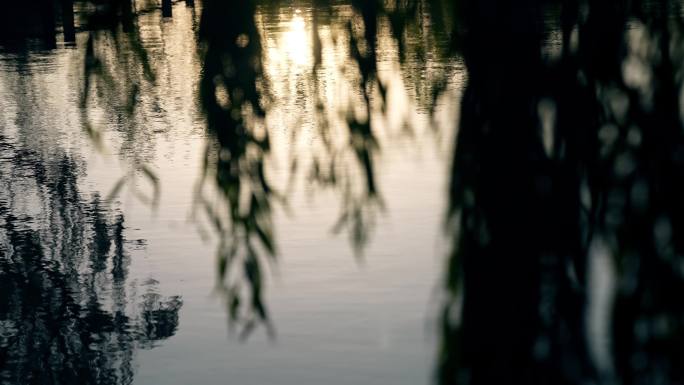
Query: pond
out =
(341, 192)
(343, 310)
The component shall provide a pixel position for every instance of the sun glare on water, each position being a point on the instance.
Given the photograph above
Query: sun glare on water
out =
(295, 44)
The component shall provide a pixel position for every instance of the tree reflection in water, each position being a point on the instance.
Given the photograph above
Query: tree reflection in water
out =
(65, 314)
(568, 157)
(68, 314)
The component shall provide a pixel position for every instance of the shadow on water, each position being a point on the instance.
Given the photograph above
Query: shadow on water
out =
(564, 204)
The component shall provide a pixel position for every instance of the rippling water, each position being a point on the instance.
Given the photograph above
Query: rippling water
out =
(126, 291)
(255, 192)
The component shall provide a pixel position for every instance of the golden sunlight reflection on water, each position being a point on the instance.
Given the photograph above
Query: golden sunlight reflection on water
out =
(333, 313)
(296, 47)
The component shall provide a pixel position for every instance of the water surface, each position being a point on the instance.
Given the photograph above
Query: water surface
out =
(344, 310)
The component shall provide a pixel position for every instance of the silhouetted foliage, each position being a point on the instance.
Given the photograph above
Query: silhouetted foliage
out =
(564, 146)
(235, 93)
(230, 92)
(568, 153)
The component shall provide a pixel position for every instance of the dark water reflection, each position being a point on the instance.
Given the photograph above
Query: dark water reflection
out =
(67, 313)
(563, 211)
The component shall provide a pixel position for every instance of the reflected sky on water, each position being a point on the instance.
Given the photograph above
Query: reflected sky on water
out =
(318, 192)
(340, 315)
